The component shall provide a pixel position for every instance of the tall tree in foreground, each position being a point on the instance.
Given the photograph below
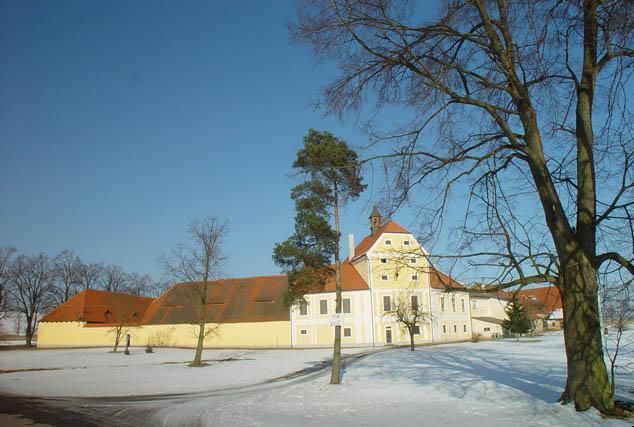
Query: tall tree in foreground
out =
(197, 261)
(522, 103)
(31, 289)
(332, 179)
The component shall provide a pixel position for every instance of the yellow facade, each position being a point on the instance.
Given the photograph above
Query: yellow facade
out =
(227, 335)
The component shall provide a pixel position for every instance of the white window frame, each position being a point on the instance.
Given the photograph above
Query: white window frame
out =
(414, 298)
(444, 328)
(349, 330)
(464, 328)
(383, 260)
(416, 329)
(462, 304)
(413, 260)
(455, 328)
(343, 305)
(385, 277)
(415, 277)
(321, 306)
(442, 303)
(304, 305)
(303, 332)
(453, 304)
(388, 242)
(389, 303)
(405, 242)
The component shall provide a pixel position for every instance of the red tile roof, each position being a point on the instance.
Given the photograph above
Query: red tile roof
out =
(548, 296)
(250, 299)
(351, 280)
(94, 306)
(438, 280)
(364, 246)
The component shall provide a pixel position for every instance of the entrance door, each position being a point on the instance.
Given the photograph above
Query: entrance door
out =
(388, 336)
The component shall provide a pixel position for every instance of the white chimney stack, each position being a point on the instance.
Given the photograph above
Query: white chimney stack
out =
(350, 247)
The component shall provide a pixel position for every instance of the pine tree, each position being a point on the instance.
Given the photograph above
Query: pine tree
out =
(333, 177)
(518, 322)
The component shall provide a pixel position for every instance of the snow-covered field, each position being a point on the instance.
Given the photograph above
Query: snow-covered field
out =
(97, 372)
(497, 383)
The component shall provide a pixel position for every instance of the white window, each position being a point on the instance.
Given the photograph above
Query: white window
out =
(303, 308)
(346, 305)
(384, 277)
(455, 328)
(442, 303)
(462, 304)
(474, 304)
(414, 277)
(416, 330)
(453, 304)
(323, 306)
(387, 303)
(412, 260)
(414, 302)
(303, 332)
(388, 242)
(405, 242)
(383, 260)
(464, 328)
(444, 329)
(347, 332)
(487, 329)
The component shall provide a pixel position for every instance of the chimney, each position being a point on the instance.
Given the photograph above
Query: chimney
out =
(350, 247)
(375, 220)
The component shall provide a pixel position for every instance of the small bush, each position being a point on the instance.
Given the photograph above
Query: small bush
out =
(475, 337)
(149, 348)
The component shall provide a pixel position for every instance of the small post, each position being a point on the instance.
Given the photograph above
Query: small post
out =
(127, 343)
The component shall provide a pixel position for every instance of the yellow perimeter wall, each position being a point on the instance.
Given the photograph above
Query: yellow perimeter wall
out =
(241, 335)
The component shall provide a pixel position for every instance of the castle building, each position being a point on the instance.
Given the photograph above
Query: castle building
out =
(386, 273)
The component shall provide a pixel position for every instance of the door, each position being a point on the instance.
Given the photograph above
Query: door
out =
(388, 336)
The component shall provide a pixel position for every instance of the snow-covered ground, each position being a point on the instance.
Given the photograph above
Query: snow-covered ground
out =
(498, 383)
(97, 372)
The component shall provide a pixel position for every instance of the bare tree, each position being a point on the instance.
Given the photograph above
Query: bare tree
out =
(409, 313)
(122, 310)
(137, 284)
(89, 276)
(30, 289)
(113, 279)
(6, 264)
(66, 275)
(503, 97)
(617, 313)
(198, 261)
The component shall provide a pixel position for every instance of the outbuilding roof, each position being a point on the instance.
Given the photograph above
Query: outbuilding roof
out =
(95, 306)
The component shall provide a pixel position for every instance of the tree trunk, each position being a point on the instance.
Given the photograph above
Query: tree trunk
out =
(29, 332)
(335, 375)
(117, 337)
(411, 338)
(199, 346)
(587, 383)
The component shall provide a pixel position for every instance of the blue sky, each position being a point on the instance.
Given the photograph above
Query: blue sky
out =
(121, 120)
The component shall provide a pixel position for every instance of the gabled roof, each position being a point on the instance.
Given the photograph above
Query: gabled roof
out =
(94, 306)
(250, 299)
(364, 246)
(548, 296)
(351, 280)
(438, 280)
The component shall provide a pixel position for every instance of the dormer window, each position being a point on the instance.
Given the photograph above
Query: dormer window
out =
(388, 242)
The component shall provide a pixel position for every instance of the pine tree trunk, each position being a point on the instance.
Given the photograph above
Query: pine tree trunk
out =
(587, 384)
(335, 375)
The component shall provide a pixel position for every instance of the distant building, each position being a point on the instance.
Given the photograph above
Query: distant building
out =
(388, 267)
(544, 307)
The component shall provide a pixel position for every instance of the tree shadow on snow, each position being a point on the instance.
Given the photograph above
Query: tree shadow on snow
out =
(458, 372)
